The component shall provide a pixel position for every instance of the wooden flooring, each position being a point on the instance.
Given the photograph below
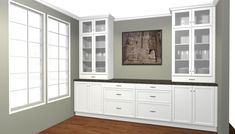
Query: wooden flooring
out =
(84, 125)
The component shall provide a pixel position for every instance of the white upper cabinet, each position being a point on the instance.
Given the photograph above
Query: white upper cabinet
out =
(193, 43)
(96, 48)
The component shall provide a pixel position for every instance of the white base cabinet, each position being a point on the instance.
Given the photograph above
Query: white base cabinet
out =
(193, 107)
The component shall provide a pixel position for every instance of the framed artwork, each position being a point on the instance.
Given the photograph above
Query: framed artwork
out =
(142, 47)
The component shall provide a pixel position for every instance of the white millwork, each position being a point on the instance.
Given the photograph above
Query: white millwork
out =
(96, 47)
(193, 107)
(193, 44)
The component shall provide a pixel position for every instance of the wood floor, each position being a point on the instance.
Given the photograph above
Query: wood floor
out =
(84, 125)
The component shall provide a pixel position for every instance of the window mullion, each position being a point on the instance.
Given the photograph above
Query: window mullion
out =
(27, 57)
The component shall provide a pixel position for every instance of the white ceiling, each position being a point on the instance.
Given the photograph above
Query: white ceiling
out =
(121, 9)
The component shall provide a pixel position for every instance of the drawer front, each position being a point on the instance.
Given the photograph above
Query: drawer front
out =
(153, 86)
(154, 112)
(119, 94)
(154, 96)
(117, 108)
(119, 85)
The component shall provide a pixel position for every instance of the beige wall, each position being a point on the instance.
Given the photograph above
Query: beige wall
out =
(143, 71)
(36, 119)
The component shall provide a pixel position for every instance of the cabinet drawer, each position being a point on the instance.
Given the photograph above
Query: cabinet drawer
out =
(154, 112)
(119, 108)
(153, 86)
(154, 96)
(119, 94)
(119, 85)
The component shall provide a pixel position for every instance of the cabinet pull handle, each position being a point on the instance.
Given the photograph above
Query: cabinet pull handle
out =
(118, 85)
(118, 108)
(92, 76)
(152, 87)
(152, 111)
(191, 79)
(152, 96)
(118, 94)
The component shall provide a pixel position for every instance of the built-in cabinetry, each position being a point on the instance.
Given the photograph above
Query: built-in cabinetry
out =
(195, 105)
(173, 105)
(96, 47)
(193, 44)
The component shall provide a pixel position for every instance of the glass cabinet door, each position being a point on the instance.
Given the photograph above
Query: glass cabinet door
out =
(100, 25)
(87, 27)
(182, 18)
(182, 51)
(202, 51)
(202, 16)
(87, 54)
(100, 53)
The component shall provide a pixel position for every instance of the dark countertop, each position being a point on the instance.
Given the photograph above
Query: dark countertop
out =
(147, 81)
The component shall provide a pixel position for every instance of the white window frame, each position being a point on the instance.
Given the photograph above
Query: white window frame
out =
(29, 106)
(69, 60)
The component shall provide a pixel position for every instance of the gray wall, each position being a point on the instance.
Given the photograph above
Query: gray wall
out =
(36, 119)
(143, 71)
(222, 64)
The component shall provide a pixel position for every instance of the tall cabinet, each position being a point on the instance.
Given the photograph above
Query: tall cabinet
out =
(193, 44)
(96, 47)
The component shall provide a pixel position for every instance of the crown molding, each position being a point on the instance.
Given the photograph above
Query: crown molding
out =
(142, 17)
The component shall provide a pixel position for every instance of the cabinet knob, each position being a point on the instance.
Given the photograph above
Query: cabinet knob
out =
(92, 76)
(119, 94)
(152, 87)
(191, 79)
(152, 111)
(118, 108)
(118, 85)
(152, 96)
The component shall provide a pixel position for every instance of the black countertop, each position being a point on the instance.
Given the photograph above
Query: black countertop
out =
(147, 81)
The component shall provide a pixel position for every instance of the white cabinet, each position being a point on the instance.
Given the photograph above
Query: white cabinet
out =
(96, 47)
(193, 45)
(88, 97)
(195, 105)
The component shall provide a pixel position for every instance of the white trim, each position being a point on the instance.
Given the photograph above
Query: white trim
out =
(69, 64)
(143, 17)
(58, 9)
(191, 7)
(43, 101)
(96, 17)
(215, 2)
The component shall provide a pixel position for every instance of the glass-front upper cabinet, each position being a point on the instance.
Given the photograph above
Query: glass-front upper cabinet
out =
(192, 17)
(100, 53)
(182, 51)
(87, 53)
(202, 51)
(94, 26)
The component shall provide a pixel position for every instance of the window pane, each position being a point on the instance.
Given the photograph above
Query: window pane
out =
(18, 65)
(35, 35)
(63, 89)
(52, 51)
(64, 77)
(53, 78)
(53, 91)
(63, 28)
(34, 80)
(52, 65)
(18, 48)
(63, 53)
(18, 98)
(35, 19)
(17, 81)
(63, 65)
(18, 31)
(35, 95)
(63, 41)
(52, 39)
(18, 14)
(35, 65)
(34, 50)
(53, 25)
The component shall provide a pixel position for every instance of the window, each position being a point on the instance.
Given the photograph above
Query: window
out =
(58, 59)
(25, 58)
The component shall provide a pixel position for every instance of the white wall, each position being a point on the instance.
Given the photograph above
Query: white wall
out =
(232, 65)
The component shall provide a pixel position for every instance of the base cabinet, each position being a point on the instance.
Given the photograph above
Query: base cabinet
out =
(88, 97)
(195, 105)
